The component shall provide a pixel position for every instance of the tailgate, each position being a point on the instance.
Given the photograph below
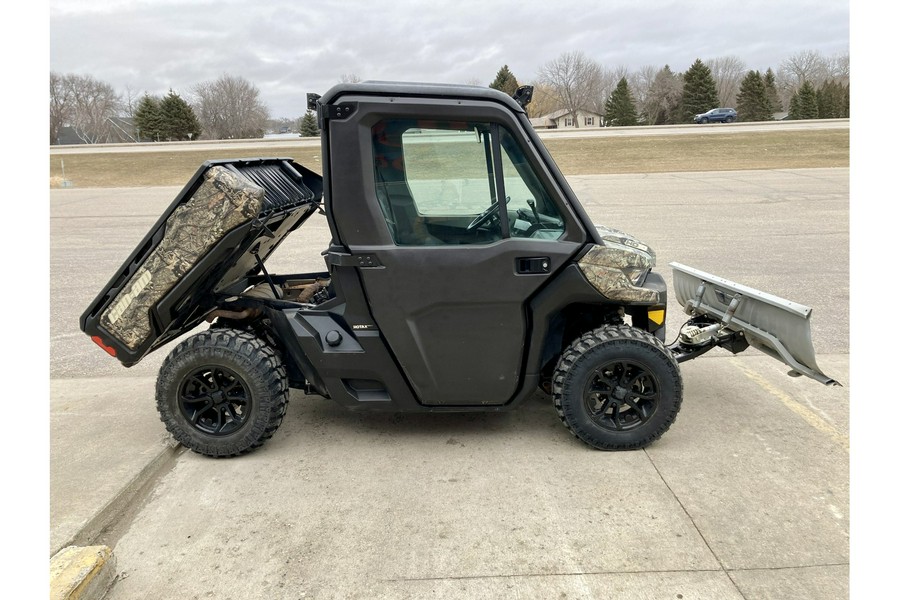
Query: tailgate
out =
(216, 233)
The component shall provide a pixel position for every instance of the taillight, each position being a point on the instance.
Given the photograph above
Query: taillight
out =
(109, 349)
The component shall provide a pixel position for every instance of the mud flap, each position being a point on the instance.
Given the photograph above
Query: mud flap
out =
(777, 327)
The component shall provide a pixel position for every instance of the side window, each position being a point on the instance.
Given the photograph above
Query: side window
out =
(532, 213)
(436, 184)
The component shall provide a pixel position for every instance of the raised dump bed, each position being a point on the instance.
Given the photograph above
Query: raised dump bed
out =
(215, 235)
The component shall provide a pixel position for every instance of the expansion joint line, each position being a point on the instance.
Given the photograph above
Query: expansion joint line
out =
(697, 529)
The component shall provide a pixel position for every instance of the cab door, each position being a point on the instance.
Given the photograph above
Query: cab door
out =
(465, 230)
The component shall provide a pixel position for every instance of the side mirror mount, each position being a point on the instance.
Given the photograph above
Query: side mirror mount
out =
(523, 96)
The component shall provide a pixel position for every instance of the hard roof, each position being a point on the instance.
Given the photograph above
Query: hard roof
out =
(420, 90)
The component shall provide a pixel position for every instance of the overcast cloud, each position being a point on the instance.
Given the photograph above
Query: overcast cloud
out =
(290, 48)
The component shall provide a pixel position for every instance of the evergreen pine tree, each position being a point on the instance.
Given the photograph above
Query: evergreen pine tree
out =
(753, 101)
(505, 81)
(833, 100)
(178, 119)
(309, 127)
(805, 107)
(699, 91)
(772, 91)
(825, 101)
(148, 118)
(794, 108)
(620, 108)
(845, 101)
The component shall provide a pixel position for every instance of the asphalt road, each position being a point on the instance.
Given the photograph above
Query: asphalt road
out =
(282, 141)
(747, 496)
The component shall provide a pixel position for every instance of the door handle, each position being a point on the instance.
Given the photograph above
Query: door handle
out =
(532, 265)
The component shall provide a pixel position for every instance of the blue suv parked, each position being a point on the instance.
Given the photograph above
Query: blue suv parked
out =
(717, 115)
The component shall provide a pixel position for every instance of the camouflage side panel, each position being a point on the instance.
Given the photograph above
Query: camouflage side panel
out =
(605, 268)
(224, 201)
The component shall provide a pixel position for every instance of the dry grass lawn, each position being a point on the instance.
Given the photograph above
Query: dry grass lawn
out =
(720, 152)
(589, 156)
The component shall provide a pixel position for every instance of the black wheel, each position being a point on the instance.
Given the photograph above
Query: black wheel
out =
(729, 119)
(617, 388)
(704, 120)
(222, 392)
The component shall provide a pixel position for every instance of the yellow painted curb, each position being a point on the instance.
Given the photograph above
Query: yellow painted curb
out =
(81, 573)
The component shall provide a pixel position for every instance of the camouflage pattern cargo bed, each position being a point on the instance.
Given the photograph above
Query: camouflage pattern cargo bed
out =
(223, 224)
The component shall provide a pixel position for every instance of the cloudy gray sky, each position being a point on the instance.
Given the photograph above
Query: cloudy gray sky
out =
(290, 48)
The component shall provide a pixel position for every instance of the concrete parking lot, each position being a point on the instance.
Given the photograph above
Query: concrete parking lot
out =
(747, 496)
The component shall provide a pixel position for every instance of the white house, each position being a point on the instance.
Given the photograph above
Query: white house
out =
(564, 119)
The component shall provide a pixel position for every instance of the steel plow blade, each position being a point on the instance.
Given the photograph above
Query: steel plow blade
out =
(777, 327)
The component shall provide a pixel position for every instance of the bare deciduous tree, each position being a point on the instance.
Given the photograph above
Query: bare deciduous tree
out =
(60, 105)
(639, 84)
(808, 65)
(728, 72)
(543, 101)
(839, 67)
(94, 105)
(350, 78)
(229, 108)
(574, 80)
(664, 97)
(130, 101)
(87, 105)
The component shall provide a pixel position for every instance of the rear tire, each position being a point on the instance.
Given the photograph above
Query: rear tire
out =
(617, 388)
(222, 392)
(729, 119)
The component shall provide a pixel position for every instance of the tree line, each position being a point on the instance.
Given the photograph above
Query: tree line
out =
(228, 107)
(806, 85)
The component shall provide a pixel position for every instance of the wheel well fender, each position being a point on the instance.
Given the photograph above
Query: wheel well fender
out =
(560, 312)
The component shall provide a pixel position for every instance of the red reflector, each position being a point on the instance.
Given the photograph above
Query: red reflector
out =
(109, 350)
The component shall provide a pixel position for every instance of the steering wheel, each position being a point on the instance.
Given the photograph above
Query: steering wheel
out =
(486, 216)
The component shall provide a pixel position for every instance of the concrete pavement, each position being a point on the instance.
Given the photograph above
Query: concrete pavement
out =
(742, 498)
(745, 497)
(106, 444)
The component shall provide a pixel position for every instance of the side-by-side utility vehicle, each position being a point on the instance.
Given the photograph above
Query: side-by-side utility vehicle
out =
(462, 275)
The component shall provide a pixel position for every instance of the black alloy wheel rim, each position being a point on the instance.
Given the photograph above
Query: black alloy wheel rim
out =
(215, 401)
(621, 395)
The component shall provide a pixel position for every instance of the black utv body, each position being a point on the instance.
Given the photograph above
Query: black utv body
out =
(462, 275)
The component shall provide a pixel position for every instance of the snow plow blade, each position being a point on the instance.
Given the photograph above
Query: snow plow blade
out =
(724, 312)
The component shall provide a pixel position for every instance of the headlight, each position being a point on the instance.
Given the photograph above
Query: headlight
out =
(617, 271)
(635, 275)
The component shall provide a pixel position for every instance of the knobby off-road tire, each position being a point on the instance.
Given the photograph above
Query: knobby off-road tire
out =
(222, 392)
(617, 388)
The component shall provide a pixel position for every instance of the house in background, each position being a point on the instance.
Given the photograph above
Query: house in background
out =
(564, 119)
(116, 130)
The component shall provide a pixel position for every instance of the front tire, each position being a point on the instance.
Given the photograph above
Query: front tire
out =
(617, 388)
(222, 392)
